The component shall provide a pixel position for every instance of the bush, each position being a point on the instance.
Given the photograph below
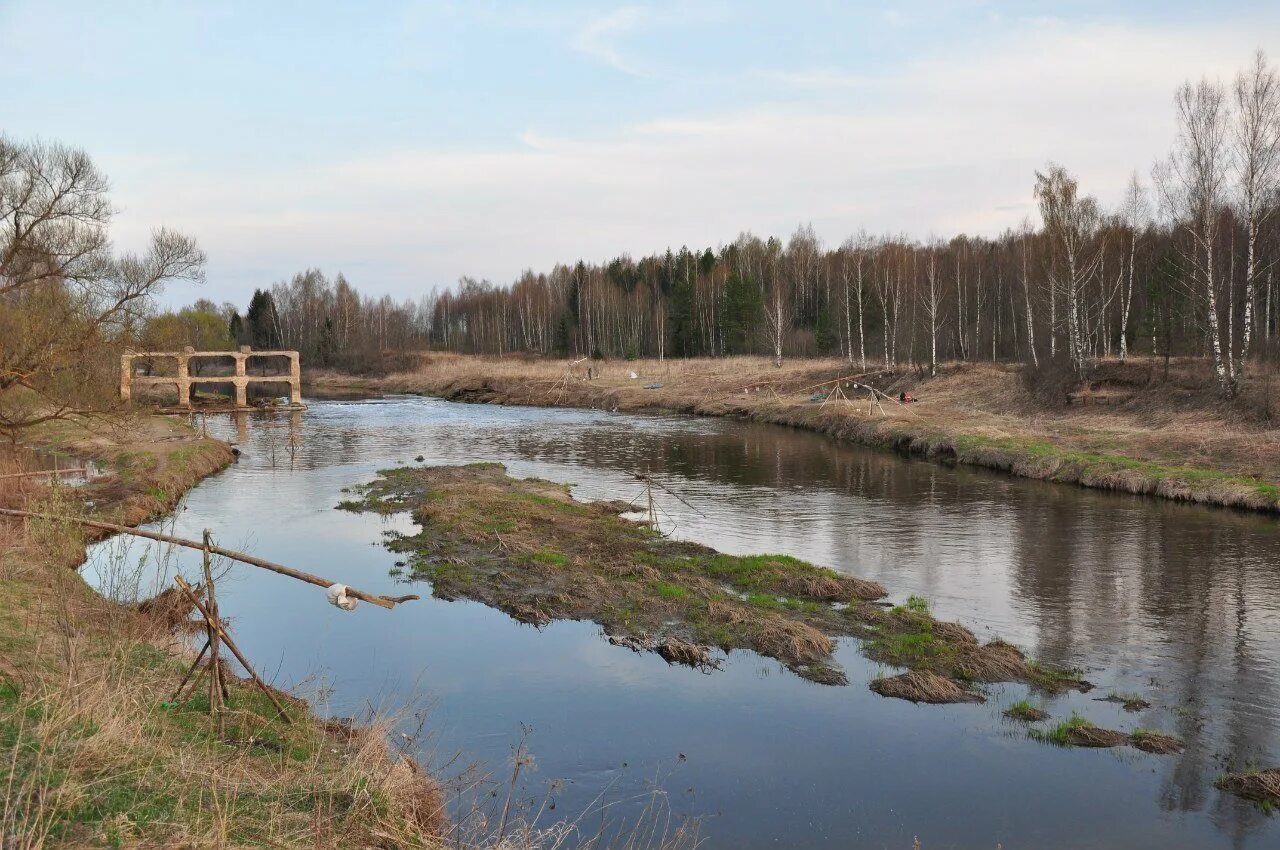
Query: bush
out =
(1050, 382)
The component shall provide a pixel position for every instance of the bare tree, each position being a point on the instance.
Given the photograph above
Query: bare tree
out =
(777, 315)
(1135, 212)
(932, 300)
(1192, 189)
(63, 295)
(1023, 235)
(1071, 223)
(1256, 147)
(852, 266)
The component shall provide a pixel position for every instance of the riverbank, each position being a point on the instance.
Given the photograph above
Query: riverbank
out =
(96, 753)
(1135, 428)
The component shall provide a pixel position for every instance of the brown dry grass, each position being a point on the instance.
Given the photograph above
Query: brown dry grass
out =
(1093, 736)
(1261, 786)
(1161, 435)
(923, 686)
(1155, 742)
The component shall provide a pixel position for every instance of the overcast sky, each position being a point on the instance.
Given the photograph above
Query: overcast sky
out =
(410, 143)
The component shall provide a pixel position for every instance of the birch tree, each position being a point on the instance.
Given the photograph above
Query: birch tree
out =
(1256, 148)
(932, 303)
(1070, 223)
(1192, 185)
(1135, 212)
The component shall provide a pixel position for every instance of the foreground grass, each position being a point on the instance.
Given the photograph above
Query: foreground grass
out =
(95, 753)
(528, 548)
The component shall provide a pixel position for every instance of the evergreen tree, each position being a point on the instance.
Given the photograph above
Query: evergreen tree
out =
(743, 307)
(264, 325)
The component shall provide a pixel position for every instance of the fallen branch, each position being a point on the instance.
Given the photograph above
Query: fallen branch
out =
(380, 601)
(69, 471)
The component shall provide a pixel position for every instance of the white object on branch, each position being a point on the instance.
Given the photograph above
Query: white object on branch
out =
(338, 597)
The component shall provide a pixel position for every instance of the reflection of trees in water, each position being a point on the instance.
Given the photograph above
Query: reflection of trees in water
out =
(1144, 588)
(1181, 586)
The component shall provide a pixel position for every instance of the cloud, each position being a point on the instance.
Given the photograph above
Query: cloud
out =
(946, 144)
(598, 39)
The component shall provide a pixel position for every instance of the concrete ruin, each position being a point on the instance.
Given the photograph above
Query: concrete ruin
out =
(184, 380)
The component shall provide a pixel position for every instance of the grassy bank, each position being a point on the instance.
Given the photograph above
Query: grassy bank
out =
(1141, 429)
(528, 548)
(94, 752)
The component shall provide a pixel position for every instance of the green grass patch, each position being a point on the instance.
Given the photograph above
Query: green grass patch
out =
(667, 590)
(1061, 733)
(551, 559)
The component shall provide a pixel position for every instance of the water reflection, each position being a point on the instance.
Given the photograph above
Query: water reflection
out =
(1176, 602)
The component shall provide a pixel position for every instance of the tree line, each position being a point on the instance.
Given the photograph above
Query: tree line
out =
(1184, 265)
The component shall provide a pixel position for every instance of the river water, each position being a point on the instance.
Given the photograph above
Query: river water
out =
(1178, 603)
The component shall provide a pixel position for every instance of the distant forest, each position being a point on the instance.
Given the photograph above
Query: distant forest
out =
(1185, 265)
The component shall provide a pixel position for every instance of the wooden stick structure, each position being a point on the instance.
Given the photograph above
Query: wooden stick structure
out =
(215, 633)
(380, 601)
(217, 681)
(771, 383)
(218, 634)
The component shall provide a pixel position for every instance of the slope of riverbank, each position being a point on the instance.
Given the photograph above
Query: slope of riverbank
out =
(95, 751)
(1136, 428)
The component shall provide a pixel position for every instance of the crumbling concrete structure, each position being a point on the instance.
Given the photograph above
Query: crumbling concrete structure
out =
(184, 380)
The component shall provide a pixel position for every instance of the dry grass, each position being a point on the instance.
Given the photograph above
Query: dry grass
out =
(1169, 436)
(923, 686)
(1261, 786)
(1155, 742)
(1079, 732)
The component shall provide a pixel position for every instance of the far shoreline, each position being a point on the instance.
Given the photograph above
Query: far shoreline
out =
(1130, 439)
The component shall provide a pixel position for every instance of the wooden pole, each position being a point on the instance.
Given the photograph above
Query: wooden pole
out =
(380, 601)
(216, 683)
(195, 664)
(231, 645)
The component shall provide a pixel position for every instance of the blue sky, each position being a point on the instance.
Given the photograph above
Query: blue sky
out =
(409, 143)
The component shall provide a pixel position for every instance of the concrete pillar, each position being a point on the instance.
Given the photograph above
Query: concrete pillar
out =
(183, 381)
(126, 377)
(295, 379)
(241, 382)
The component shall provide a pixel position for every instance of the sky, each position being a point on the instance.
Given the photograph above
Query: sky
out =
(409, 143)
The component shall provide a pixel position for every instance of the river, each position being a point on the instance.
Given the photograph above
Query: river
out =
(1178, 603)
